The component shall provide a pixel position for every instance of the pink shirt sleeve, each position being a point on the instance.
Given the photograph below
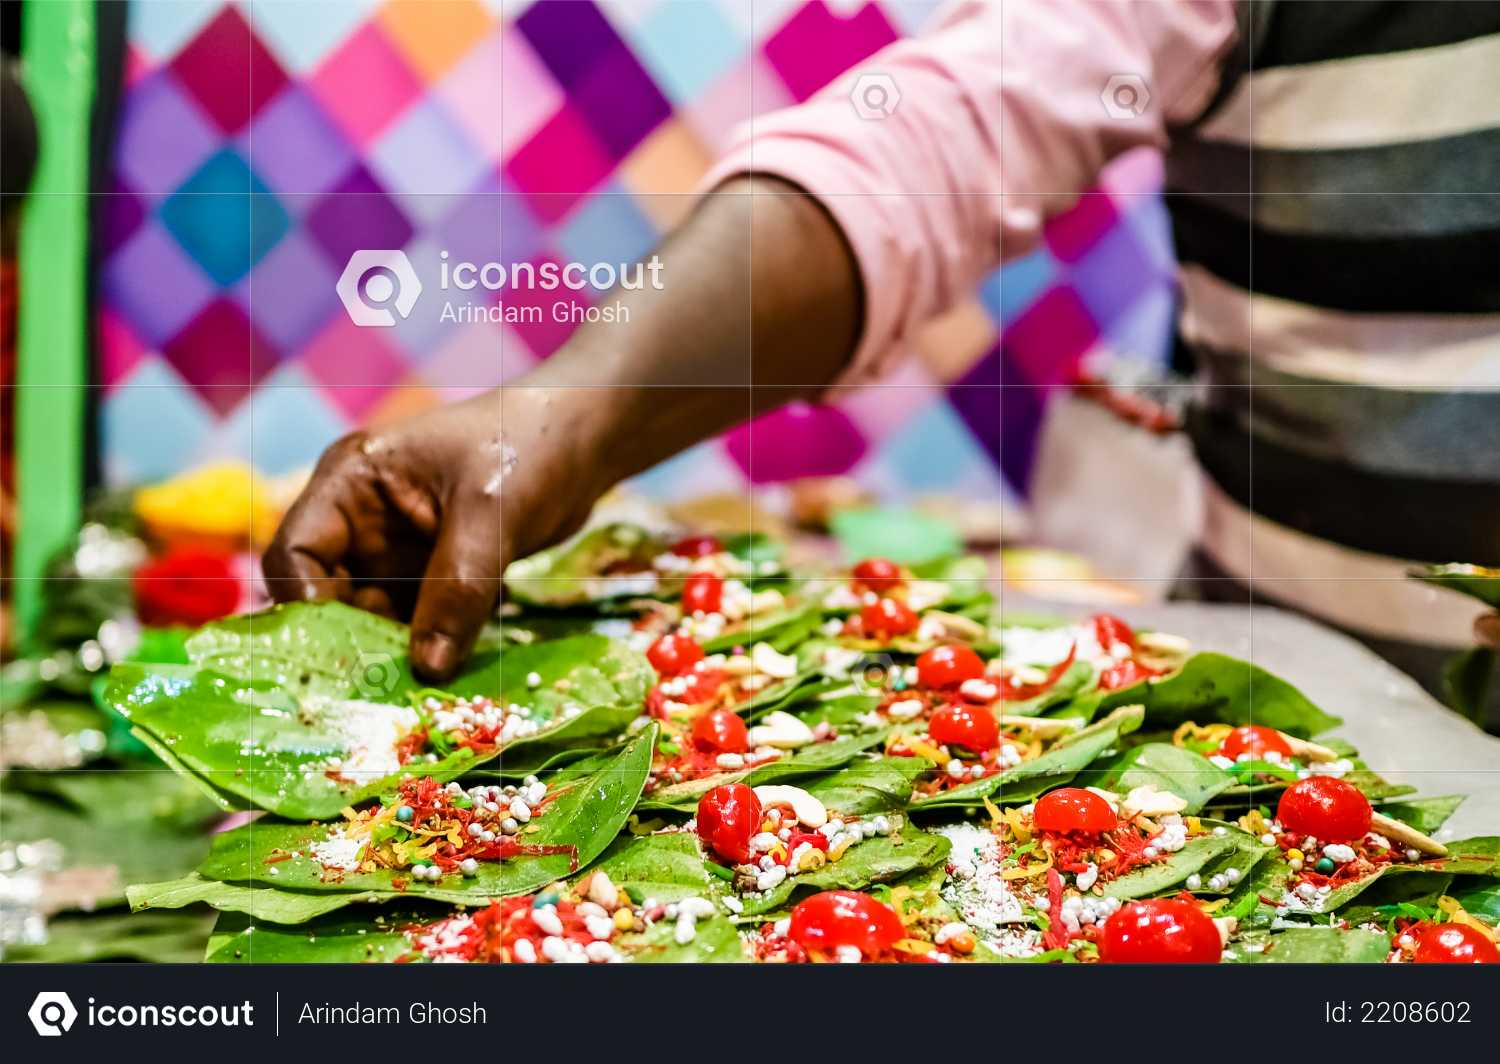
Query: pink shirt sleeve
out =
(1000, 125)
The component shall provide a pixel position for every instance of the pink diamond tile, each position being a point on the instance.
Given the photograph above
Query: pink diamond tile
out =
(467, 362)
(476, 91)
(529, 94)
(1046, 342)
(347, 359)
(1070, 235)
(366, 85)
(547, 335)
(749, 87)
(560, 165)
(137, 64)
(229, 71)
(120, 349)
(798, 440)
(221, 355)
(817, 44)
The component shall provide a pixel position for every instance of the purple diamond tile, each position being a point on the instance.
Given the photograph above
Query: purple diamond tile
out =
(978, 401)
(620, 101)
(1112, 273)
(357, 214)
(571, 36)
(122, 214)
(221, 355)
(427, 153)
(289, 293)
(163, 138)
(154, 283)
(229, 71)
(294, 147)
(471, 231)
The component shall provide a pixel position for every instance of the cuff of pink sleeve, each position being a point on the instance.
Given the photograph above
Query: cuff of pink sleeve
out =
(866, 226)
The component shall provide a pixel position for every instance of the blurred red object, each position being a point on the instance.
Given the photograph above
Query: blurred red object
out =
(185, 587)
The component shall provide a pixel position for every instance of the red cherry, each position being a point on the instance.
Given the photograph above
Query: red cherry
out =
(947, 667)
(723, 731)
(886, 619)
(1254, 740)
(972, 727)
(845, 918)
(727, 818)
(1074, 809)
(877, 575)
(1110, 630)
(1455, 944)
(1160, 931)
(673, 654)
(702, 591)
(1325, 808)
(697, 547)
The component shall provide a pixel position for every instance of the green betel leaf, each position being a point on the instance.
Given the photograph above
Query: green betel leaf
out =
(255, 743)
(1162, 765)
(1212, 688)
(1207, 855)
(322, 649)
(587, 814)
(665, 867)
(573, 573)
(1325, 945)
(347, 936)
(1052, 769)
(1479, 895)
(155, 938)
(282, 906)
(1465, 857)
(867, 788)
(819, 759)
(716, 942)
(875, 860)
(1427, 815)
(1393, 895)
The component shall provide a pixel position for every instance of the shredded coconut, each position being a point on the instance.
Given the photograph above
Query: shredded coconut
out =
(371, 730)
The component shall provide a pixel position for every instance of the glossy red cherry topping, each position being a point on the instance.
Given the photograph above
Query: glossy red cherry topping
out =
(1254, 740)
(877, 575)
(945, 668)
(972, 727)
(722, 731)
(1455, 944)
(887, 619)
(1325, 808)
(845, 918)
(1074, 809)
(697, 547)
(1160, 931)
(702, 591)
(674, 654)
(728, 817)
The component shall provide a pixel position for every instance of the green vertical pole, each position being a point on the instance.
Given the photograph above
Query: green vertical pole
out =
(52, 350)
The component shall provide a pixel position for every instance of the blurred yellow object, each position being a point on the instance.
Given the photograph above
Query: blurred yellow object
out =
(1057, 574)
(224, 507)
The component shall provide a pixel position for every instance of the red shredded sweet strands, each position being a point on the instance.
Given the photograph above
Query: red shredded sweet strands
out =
(1011, 691)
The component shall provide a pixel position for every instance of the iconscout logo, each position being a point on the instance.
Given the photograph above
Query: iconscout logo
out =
(371, 279)
(52, 1013)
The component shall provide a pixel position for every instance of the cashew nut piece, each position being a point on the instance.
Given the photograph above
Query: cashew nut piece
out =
(809, 810)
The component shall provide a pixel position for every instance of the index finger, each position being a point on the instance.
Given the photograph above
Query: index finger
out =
(306, 559)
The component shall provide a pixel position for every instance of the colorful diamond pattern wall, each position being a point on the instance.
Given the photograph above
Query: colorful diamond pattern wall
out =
(262, 142)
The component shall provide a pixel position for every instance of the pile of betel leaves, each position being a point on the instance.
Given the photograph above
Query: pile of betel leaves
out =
(310, 715)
